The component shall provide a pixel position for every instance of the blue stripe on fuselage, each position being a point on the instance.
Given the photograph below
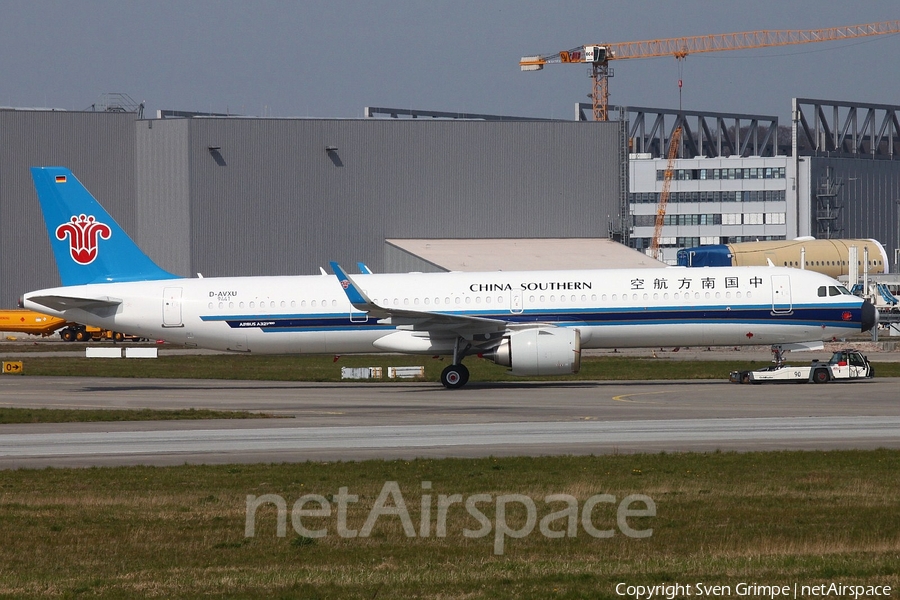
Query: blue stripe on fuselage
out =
(576, 317)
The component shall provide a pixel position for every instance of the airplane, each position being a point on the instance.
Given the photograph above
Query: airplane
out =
(533, 322)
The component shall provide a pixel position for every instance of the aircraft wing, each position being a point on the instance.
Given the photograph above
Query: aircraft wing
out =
(62, 303)
(417, 320)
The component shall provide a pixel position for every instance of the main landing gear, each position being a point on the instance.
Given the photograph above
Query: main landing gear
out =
(456, 375)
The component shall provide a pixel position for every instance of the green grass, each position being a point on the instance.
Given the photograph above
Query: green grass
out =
(324, 368)
(722, 518)
(62, 415)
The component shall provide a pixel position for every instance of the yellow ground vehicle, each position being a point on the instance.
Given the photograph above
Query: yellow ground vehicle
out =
(87, 333)
(21, 320)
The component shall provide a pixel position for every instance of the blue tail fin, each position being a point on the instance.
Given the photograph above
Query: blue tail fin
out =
(89, 246)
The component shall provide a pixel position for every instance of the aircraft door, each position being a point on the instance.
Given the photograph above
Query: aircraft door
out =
(172, 307)
(781, 294)
(516, 302)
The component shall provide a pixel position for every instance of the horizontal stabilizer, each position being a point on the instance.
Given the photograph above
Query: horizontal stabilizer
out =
(63, 303)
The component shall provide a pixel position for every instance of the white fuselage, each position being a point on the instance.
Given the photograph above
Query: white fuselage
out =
(611, 308)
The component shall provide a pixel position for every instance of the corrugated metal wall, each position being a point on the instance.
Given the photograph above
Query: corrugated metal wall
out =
(269, 199)
(235, 196)
(163, 193)
(868, 198)
(98, 147)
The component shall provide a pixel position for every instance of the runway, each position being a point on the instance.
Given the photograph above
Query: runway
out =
(342, 421)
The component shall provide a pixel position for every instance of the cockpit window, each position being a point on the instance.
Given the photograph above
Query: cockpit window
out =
(822, 292)
(833, 291)
(845, 291)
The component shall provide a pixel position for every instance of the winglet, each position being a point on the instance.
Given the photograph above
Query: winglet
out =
(364, 268)
(356, 296)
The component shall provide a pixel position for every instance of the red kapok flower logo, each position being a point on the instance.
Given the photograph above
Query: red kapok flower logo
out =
(83, 233)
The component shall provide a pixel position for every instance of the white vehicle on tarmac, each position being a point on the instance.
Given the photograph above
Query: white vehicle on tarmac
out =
(844, 365)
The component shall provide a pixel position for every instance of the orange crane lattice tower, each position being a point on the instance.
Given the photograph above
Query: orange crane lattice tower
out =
(655, 252)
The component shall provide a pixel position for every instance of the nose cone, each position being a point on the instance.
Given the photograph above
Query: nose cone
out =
(869, 316)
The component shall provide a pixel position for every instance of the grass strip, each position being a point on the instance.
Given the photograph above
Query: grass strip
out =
(63, 415)
(324, 368)
(774, 518)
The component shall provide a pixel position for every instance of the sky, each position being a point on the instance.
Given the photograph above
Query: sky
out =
(333, 58)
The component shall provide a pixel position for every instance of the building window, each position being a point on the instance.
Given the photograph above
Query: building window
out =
(753, 219)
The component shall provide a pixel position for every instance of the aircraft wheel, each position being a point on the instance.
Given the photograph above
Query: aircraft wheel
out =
(455, 376)
(820, 376)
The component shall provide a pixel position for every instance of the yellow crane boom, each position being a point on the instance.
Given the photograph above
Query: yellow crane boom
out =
(664, 195)
(599, 55)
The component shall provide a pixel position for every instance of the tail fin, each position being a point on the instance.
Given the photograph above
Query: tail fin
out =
(89, 246)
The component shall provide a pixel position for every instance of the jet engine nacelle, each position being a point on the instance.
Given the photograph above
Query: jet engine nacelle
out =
(543, 351)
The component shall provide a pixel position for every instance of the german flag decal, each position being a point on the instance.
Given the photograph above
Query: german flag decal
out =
(60, 179)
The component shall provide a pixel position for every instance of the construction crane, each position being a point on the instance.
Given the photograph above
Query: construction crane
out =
(655, 251)
(599, 55)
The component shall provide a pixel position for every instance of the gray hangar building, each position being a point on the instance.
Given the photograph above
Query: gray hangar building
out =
(227, 196)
